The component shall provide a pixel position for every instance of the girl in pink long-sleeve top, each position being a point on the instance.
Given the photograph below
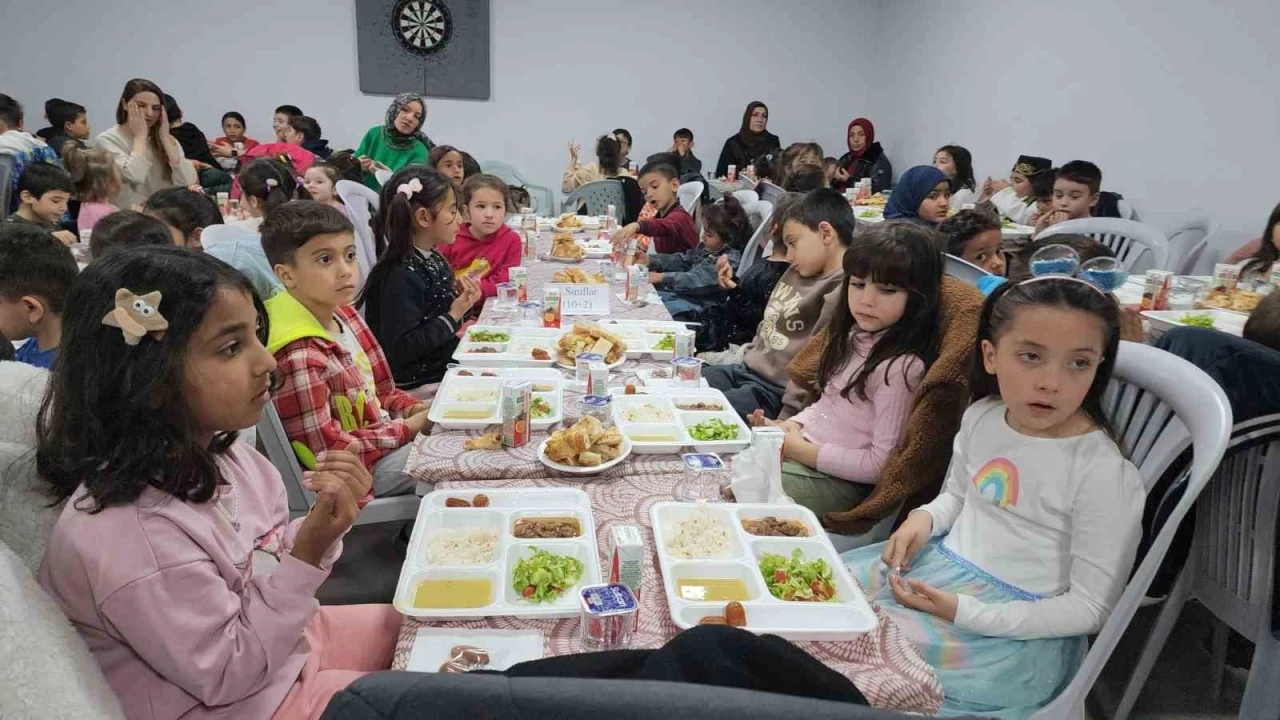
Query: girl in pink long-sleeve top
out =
(175, 558)
(876, 353)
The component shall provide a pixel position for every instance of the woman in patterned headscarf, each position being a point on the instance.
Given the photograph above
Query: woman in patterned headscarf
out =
(397, 142)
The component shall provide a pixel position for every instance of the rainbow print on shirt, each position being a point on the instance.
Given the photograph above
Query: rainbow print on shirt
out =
(997, 481)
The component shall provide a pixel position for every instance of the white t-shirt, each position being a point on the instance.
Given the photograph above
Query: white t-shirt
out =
(1060, 518)
(1013, 207)
(349, 342)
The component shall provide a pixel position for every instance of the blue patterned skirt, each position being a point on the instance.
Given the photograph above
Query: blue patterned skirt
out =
(980, 675)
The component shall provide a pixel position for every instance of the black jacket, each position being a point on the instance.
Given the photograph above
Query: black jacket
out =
(874, 164)
(407, 307)
(320, 148)
(195, 146)
(735, 152)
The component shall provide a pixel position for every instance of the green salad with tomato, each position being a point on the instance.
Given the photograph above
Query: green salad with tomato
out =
(488, 336)
(544, 577)
(798, 579)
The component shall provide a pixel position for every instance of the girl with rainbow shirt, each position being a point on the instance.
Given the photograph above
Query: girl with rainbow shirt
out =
(1000, 580)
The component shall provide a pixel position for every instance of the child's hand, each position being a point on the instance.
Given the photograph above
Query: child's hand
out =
(1049, 219)
(757, 419)
(222, 151)
(907, 540)
(841, 174)
(468, 294)
(925, 598)
(575, 147)
(66, 237)
(332, 515)
(724, 273)
(625, 233)
(999, 184)
(418, 422)
(655, 278)
(344, 465)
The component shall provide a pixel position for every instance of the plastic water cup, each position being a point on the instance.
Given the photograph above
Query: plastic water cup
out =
(507, 296)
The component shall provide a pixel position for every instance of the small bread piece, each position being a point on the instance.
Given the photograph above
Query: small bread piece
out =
(602, 347)
(611, 437)
(590, 459)
(591, 427)
(487, 441)
(605, 451)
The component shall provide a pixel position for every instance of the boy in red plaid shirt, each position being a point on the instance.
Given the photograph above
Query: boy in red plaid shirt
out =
(337, 387)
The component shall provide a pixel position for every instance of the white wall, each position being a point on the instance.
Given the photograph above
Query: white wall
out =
(560, 69)
(1175, 100)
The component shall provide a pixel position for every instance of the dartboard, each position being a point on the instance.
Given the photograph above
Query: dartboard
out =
(422, 26)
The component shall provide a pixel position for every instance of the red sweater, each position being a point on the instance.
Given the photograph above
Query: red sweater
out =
(672, 232)
(502, 250)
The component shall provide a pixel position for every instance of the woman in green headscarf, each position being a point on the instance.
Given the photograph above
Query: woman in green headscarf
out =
(397, 142)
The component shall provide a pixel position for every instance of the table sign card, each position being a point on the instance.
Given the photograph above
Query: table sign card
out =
(581, 299)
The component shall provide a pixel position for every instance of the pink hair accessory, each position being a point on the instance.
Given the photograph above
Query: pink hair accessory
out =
(410, 188)
(272, 182)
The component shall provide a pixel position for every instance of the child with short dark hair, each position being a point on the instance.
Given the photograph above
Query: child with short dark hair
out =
(957, 163)
(68, 123)
(43, 192)
(1076, 191)
(233, 134)
(672, 229)
(749, 294)
(97, 179)
(485, 248)
(1085, 247)
(36, 274)
(447, 160)
(412, 299)
(806, 177)
(186, 213)
(682, 147)
(305, 131)
(281, 117)
(816, 231)
(25, 148)
(127, 228)
(337, 388)
(975, 236)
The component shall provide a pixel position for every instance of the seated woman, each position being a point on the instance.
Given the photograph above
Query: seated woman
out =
(750, 142)
(1257, 256)
(398, 142)
(149, 157)
(865, 159)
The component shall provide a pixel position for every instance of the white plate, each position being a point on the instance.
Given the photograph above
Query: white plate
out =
(505, 507)
(577, 470)
(1227, 321)
(431, 647)
(562, 362)
(1017, 231)
(845, 618)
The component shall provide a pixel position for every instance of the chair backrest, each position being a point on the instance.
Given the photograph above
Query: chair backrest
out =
(963, 269)
(597, 196)
(6, 183)
(362, 205)
(1188, 242)
(274, 440)
(688, 195)
(770, 192)
(1159, 404)
(541, 198)
(1126, 210)
(1235, 535)
(760, 212)
(746, 197)
(1137, 246)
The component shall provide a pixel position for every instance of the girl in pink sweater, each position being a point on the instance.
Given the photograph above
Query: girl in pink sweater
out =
(484, 235)
(175, 558)
(877, 349)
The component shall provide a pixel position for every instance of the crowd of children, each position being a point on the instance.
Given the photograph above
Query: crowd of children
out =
(175, 557)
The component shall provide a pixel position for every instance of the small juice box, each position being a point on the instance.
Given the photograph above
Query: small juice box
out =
(626, 557)
(515, 413)
(684, 343)
(582, 369)
(1155, 295)
(1225, 277)
(519, 276)
(551, 308)
(635, 283)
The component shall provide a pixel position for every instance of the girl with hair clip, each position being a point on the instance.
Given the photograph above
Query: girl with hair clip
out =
(97, 179)
(874, 355)
(411, 299)
(1002, 578)
(266, 183)
(485, 249)
(185, 212)
(150, 159)
(957, 163)
(398, 141)
(174, 557)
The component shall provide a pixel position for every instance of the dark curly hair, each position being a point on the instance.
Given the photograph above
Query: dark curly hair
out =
(728, 220)
(966, 225)
(113, 418)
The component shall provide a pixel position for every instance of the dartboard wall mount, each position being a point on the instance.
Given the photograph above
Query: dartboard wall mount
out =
(436, 47)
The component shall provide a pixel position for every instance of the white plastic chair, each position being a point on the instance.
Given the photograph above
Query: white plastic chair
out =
(746, 197)
(1137, 246)
(769, 192)
(688, 195)
(1230, 568)
(760, 213)
(361, 204)
(1187, 244)
(280, 453)
(1159, 404)
(597, 196)
(540, 195)
(962, 269)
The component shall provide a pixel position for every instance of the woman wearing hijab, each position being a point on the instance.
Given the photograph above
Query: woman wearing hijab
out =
(865, 159)
(397, 142)
(922, 195)
(750, 142)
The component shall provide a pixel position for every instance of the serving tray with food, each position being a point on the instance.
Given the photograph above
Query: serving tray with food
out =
(1227, 321)
(520, 552)
(764, 568)
(655, 338)
(470, 400)
(507, 346)
(701, 418)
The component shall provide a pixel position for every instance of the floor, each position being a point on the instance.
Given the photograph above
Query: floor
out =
(1177, 690)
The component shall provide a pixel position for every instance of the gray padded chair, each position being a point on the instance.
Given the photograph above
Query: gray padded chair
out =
(597, 196)
(540, 195)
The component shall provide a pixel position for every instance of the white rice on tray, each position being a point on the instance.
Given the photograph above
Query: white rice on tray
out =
(699, 536)
(462, 546)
